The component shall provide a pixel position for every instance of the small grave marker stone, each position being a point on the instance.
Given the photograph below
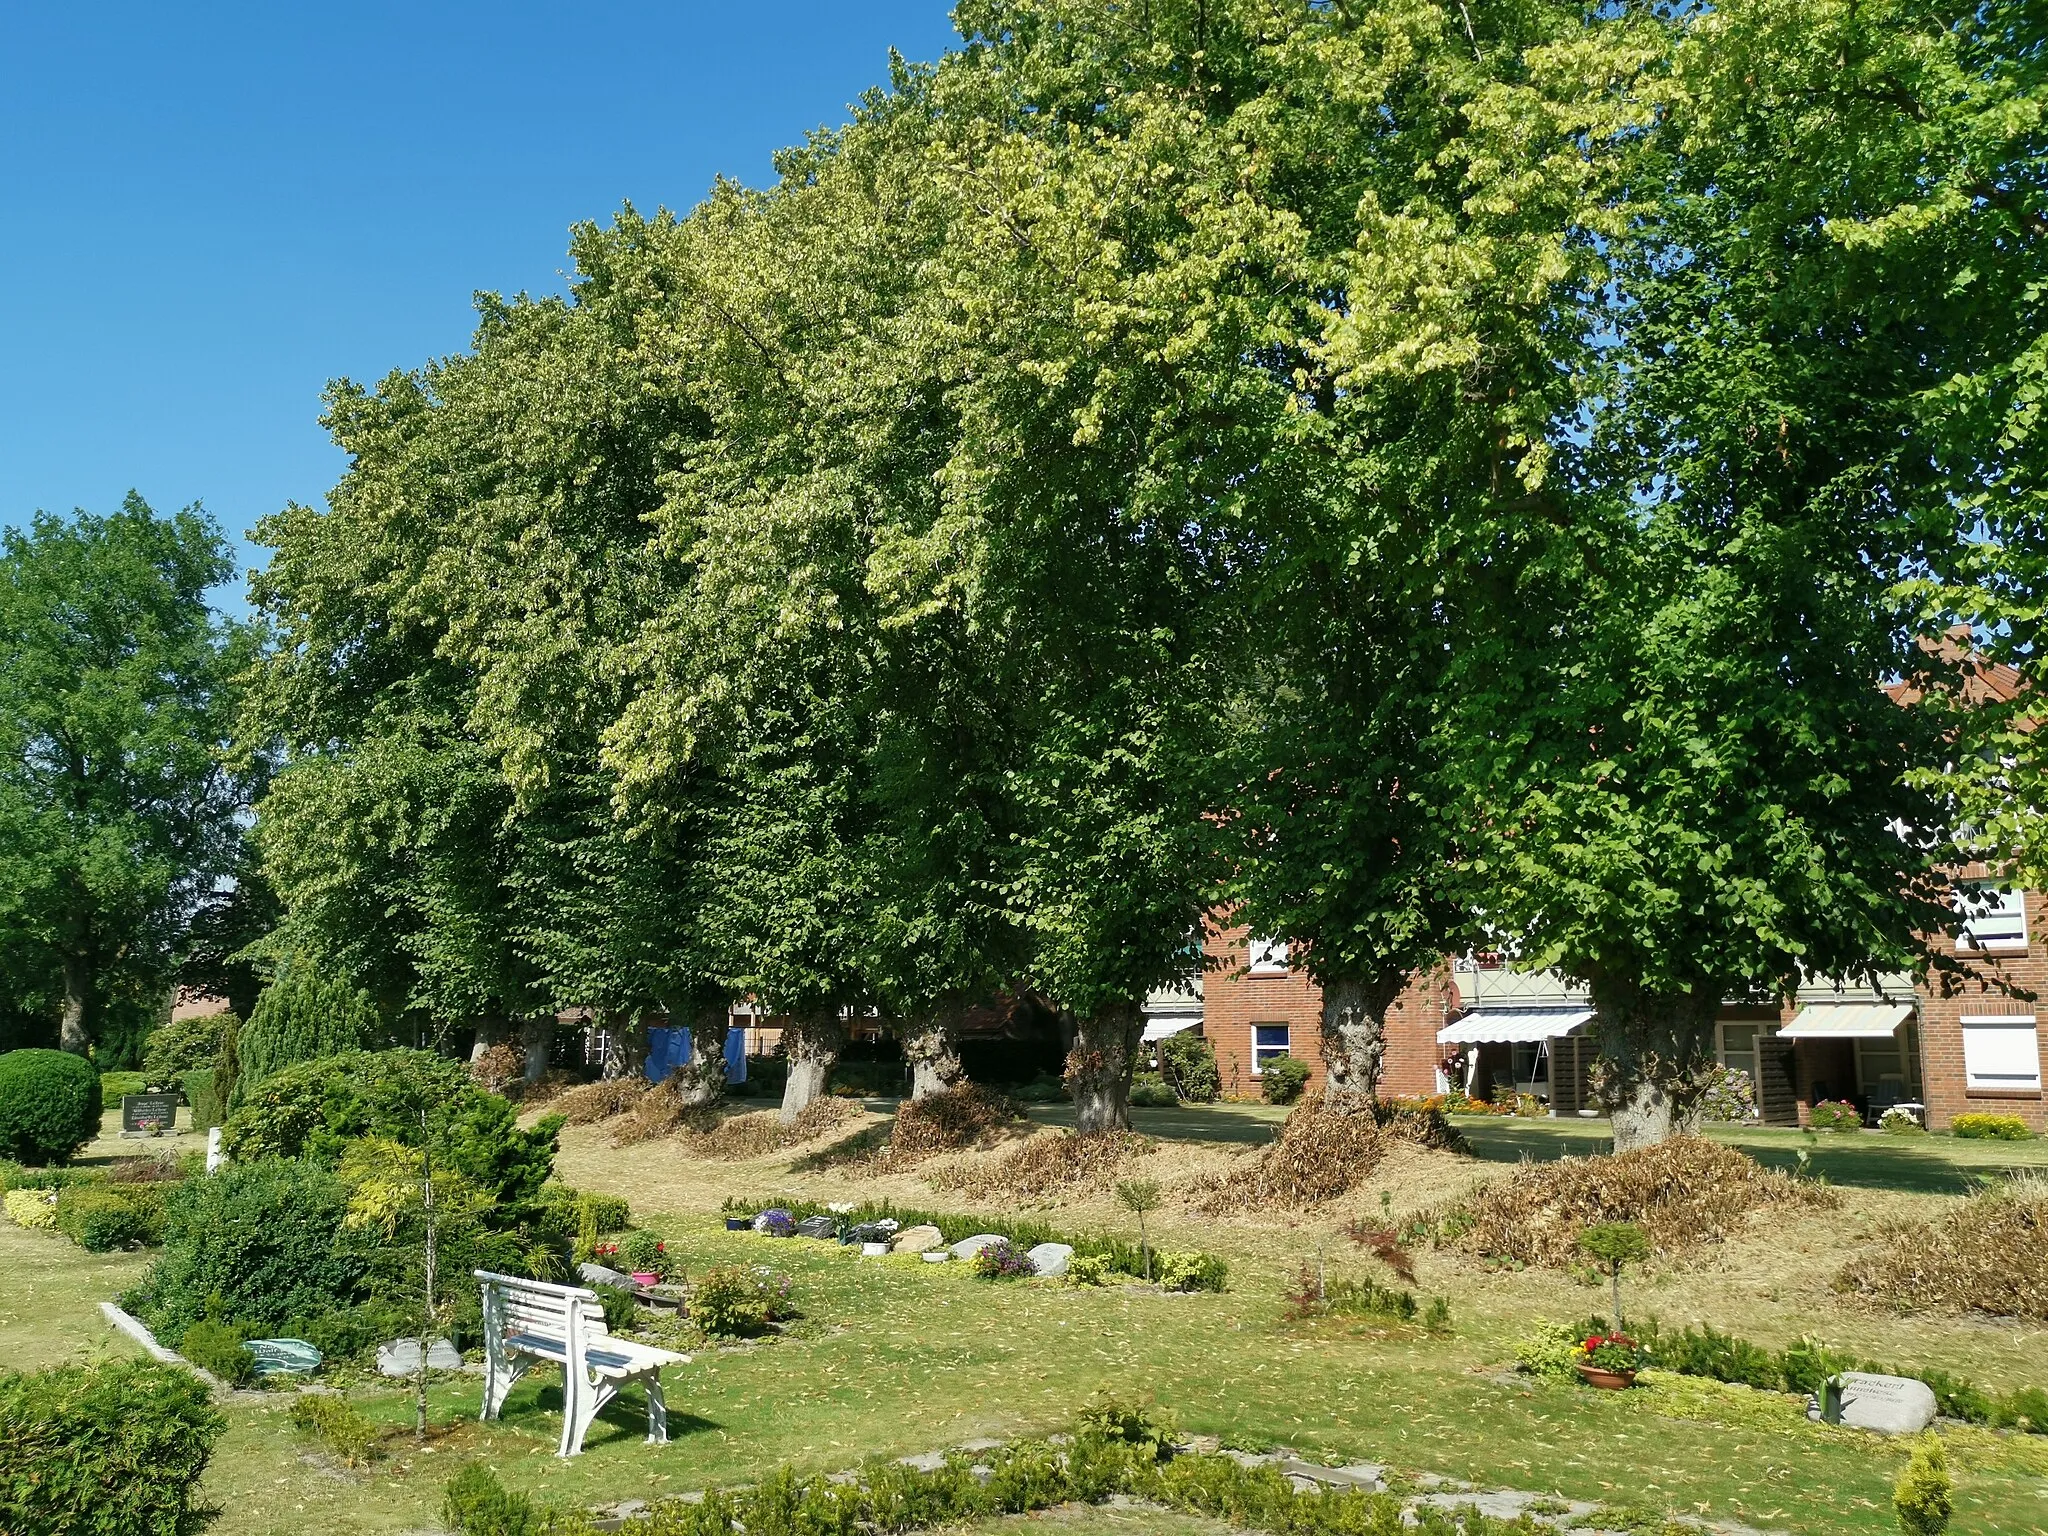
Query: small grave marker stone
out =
(1892, 1405)
(140, 1109)
(918, 1239)
(1051, 1258)
(968, 1247)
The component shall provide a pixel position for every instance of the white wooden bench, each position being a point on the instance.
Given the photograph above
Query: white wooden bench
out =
(528, 1320)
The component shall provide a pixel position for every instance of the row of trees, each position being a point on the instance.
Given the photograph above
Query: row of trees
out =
(1425, 476)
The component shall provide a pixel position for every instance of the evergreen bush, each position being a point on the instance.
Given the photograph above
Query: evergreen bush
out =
(1281, 1079)
(1151, 1091)
(183, 1045)
(49, 1105)
(327, 1418)
(1924, 1495)
(1188, 1062)
(301, 1016)
(112, 1449)
(200, 1092)
(219, 1348)
(103, 1217)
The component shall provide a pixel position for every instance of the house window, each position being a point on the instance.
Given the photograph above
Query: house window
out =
(1268, 957)
(1738, 1048)
(2003, 925)
(2002, 1052)
(1268, 1041)
(1890, 1067)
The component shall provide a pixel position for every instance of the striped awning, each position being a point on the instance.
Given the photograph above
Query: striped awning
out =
(1847, 1021)
(1170, 1024)
(1516, 1026)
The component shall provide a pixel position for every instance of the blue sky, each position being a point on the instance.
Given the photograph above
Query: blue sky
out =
(208, 211)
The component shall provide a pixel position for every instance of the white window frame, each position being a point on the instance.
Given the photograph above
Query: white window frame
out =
(1261, 1053)
(2003, 927)
(1266, 957)
(2007, 1027)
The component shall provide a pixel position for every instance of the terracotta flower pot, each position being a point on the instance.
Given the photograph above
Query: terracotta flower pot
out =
(1608, 1381)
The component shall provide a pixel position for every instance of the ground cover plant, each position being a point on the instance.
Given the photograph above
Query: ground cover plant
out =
(1682, 1193)
(1988, 1254)
(1982, 1127)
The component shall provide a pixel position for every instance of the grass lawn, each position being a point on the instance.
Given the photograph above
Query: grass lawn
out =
(896, 1357)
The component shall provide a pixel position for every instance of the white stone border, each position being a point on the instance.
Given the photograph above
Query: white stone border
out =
(138, 1330)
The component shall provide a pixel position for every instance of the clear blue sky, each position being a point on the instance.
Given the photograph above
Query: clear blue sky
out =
(208, 211)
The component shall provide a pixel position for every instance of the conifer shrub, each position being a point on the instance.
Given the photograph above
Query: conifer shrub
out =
(220, 1348)
(50, 1105)
(303, 1015)
(103, 1217)
(1925, 1494)
(328, 1419)
(184, 1045)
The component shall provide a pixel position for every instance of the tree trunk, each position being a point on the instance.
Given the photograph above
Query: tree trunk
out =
(74, 1032)
(812, 1044)
(1656, 1054)
(537, 1039)
(933, 1051)
(625, 1053)
(701, 1083)
(1354, 1033)
(490, 1030)
(1099, 1067)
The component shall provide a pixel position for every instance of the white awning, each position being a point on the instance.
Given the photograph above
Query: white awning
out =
(1846, 1021)
(1500, 1026)
(1160, 1028)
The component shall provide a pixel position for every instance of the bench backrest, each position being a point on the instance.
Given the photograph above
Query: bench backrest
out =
(560, 1312)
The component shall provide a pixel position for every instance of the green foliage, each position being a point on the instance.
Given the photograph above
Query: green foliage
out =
(345, 1333)
(620, 1307)
(117, 807)
(739, 1301)
(1550, 1349)
(644, 1252)
(477, 1504)
(314, 1109)
(1188, 1063)
(305, 1014)
(1089, 1269)
(259, 1244)
(103, 1217)
(1281, 1079)
(32, 1208)
(603, 1213)
(14, 1176)
(1978, 1127)
(220, 1348)
(112, 1449)
(1834, 1115)
(1177, 1271)
(1616, 1243)
(202, 1093)
(184, 1045)
(115, 1084)
(1925, 1493)
(1151, 1091)
(328, 1418)
(49, 1105)
(1145, 1425)
(1900, 1121)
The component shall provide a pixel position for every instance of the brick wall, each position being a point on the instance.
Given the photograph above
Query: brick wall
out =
(1235, 1000)
(1945, 1081)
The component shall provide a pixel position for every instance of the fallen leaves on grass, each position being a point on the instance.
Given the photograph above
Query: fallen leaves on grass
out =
(661, 1110)
(948, 1121)
(599, 1101)
(1683, 1192)
(762, 1132)
(1049, 1163)
(1325, 1148)
(1989, 1254)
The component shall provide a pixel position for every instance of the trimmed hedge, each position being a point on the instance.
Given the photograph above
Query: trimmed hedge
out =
(1282, 1078)
(200, 1092)
(1981, 1127)
(49, 1105)
(103, 1217)
(114, 1449)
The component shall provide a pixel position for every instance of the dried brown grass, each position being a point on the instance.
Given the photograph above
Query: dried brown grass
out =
(660, 1111)
(1684, 1192)
(551, 1085)
(1049, 1163)
(1990, 1254)
(951, 1120)
(599, 1101)
(1323, 1151)
(736, 1138)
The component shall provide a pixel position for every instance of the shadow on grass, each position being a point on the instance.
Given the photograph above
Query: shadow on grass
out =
(537, 1410)
(1239, 1124)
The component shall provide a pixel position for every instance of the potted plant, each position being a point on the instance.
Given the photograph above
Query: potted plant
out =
(1609, 1360)
(646, 1257)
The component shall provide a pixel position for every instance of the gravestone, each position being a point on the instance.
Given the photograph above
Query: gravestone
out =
(1052, 1258)
(1892, 1405)
(401, 1357)
(818, 1226)
(136, 1108)
(968, 1247)
(598, 1274)
(918, 1239)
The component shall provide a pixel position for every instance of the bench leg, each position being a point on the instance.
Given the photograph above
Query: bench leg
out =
(582, 1401)
(500, 1377)
(657, 1411)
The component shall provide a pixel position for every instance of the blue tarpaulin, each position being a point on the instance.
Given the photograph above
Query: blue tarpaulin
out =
(668, 1049)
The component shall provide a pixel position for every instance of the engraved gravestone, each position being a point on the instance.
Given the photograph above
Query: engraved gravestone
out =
(1892, 1405)
(140, 1109)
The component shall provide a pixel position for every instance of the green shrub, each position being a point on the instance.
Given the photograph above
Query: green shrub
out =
(114, 1084)
(264, 1242)
(32, 1208)
(181, 1046)
(1834, 1115)
(1188, 1062)
(477, 1504)
(352, 1332)
(300, 1016)
(1549, 1350)
(103, 1217)
(14, 1176)
(620, 1307)
(1190, 1271)
(737, 1301)
(221, 1349)
(643, 1252)
(326, 1417)
(1151, 1091)
(200, 1092)
(1924, 1495)
(49, 1105)
(605, 1213)
(314, 1109)
(1977, 1127)
(1281, 1079)
(1089, 1269)
(1109, 1417)
(114, 1449)
(2026, 1409)
(1704, 1352)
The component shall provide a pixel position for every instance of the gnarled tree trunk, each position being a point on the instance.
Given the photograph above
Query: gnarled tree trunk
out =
(932, 1048)
(1354, 1033)
(491, 1030)
(812, 1044)
(537, 1039)
(1656, 1054)
(701, 1082)
(74, 1029)
(1099, 1067)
